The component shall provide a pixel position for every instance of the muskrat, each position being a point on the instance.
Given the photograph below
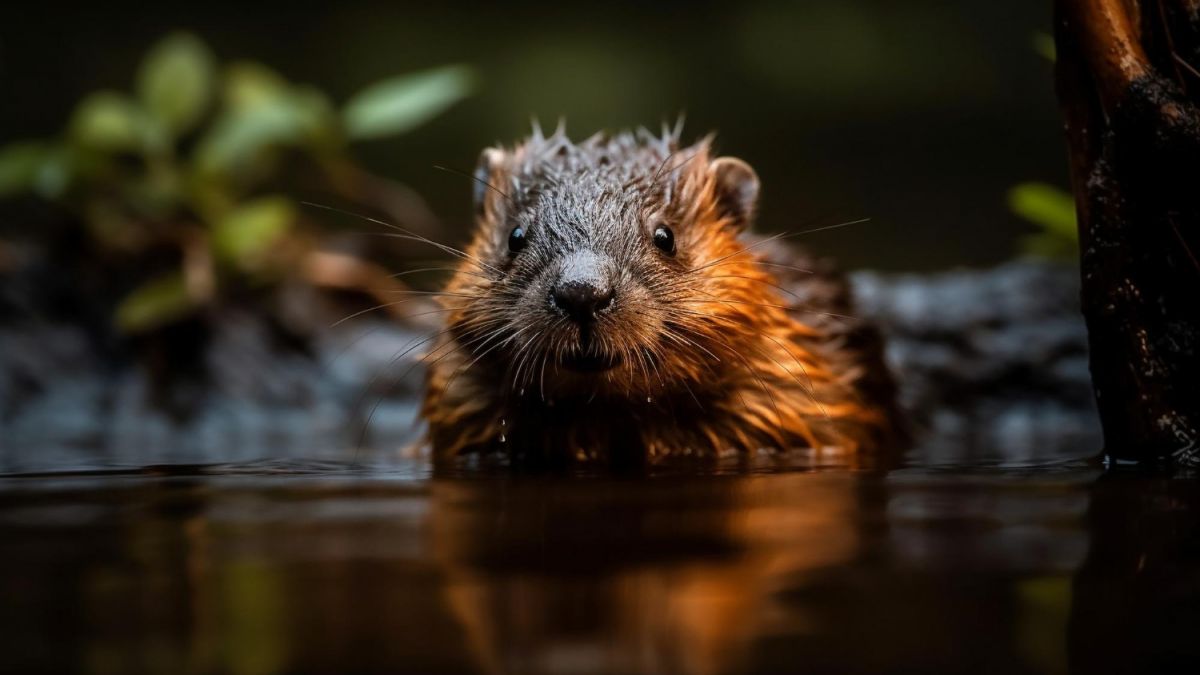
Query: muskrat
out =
(612, 303)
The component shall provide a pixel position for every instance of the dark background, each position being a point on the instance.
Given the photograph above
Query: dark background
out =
(917, 114)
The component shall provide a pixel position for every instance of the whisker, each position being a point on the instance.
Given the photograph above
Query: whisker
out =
(379, 401)
(765, 263)
(368, 310)
(777, 237)
(693, 395)
(375, 378)
(458, 345)
(761, 281)
(814, 230)
(466, 257)
(791, 308)
(495, 332)
(405, 234)
(522, 356)
(693, 343)
(772, 306)
(542, 378)
(371, 331)
(757, 376)
(438, 269)
(812, 387)
(744, 249)
(477, 179)
(443, 294)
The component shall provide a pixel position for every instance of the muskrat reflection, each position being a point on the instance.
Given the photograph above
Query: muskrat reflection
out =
(588, 576)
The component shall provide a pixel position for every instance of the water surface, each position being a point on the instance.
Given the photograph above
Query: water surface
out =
(324, 567)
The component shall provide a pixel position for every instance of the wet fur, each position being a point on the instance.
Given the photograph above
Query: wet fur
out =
(725, 346)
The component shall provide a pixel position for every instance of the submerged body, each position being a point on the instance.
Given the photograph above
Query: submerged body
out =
(612, 305)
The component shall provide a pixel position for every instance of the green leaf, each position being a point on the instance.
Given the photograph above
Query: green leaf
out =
(19, 166)
(1043, 44)
(248, 84)
(1053, 210)
(242, 134)
(252, 228)
(1045, 205)
(154, 304)
(175, 81)
(261, 111)
(112, 122)
(31, 166)
(406, 102)
(54, 175)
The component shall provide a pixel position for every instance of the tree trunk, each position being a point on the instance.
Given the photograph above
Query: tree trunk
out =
(1128, 86)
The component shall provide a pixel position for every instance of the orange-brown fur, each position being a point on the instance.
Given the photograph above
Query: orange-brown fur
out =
(725, 346)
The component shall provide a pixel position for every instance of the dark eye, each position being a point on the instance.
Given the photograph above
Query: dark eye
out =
(516, 239)
(664, 239)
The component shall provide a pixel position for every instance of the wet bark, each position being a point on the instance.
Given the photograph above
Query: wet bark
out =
(1128, 86)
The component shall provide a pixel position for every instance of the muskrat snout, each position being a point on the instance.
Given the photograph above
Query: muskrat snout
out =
(580, 300)
(582, 289)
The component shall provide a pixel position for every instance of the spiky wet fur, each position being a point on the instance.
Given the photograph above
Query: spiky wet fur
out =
(724, 346)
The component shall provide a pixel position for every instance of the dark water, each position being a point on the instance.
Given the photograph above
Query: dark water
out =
(330, 568)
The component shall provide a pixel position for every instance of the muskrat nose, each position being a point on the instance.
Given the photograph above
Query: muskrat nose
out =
(581, 299)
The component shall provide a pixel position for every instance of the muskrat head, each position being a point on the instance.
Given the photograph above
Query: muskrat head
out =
(591, 270)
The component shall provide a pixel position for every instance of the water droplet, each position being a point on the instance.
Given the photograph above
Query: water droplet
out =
(503, 422)
(522, 392)
(502, 438)
(649, 400)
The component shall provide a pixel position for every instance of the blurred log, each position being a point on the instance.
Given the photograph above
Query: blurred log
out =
(1128, 87)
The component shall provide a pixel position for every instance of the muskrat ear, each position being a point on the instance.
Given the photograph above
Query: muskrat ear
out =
(487, 170)
(736, 187)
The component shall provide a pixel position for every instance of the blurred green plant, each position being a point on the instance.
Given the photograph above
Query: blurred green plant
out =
(1049, 207)
(1043, 44)
(1053, 210)
(200, 158)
